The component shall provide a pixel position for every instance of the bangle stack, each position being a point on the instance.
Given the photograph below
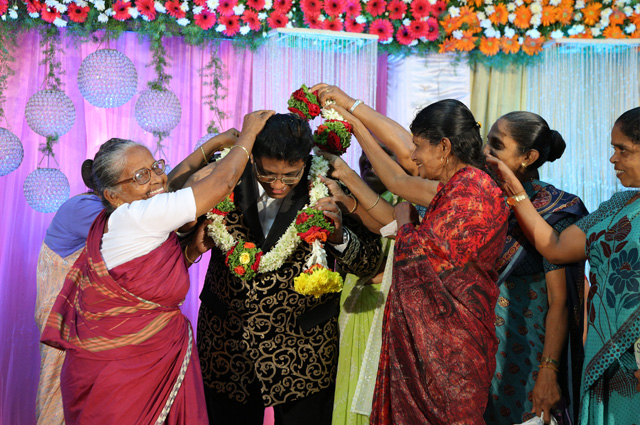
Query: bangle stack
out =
(549, 363)
(187, 257)
(355, 205)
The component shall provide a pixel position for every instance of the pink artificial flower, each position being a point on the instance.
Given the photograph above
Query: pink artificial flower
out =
(311, 6)
(205, 19)
(335, 7)
(225, 7)
(121, 11)
(376, 7)
(255, 4)
(147, 8)
(174, 9)
(418, 29)
(433, 30)
(438, 8)
(250, 18)
(282, 6)
(396, 9)
(351, 25)
(76, 13)
(353, 8)
(231, 23)
(333, 24)
(277, 20)
(403, 36)
(49, 14)
(420, 8)
(312, 20)
(382, 28)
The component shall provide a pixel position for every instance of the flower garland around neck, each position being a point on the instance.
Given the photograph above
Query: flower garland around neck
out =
(245, 260)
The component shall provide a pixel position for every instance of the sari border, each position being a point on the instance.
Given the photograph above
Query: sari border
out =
(178, 383)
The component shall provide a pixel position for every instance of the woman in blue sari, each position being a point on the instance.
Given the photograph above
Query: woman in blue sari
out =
(610, 239)
(539, 307)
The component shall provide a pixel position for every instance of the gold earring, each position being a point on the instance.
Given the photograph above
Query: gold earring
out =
(524, 165)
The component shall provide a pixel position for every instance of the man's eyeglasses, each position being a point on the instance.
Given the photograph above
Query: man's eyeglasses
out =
(270, 178)
(143, 176)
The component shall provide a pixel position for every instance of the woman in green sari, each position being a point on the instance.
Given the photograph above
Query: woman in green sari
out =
(610, 239)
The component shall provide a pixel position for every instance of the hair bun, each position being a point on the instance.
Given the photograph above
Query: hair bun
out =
(557, 147)
(87, 174)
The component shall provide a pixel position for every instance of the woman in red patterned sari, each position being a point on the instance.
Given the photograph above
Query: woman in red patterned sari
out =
(439, 340)
(130, 352)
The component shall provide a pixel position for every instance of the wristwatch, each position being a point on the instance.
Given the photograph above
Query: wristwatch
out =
(513, 200)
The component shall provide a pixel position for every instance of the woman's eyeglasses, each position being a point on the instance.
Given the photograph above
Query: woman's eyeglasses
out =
(143, 176)
(270, 178)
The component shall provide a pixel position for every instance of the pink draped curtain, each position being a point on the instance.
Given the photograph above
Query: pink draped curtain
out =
(22, 229)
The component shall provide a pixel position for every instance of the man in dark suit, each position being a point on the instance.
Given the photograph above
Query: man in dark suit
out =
(260, 342)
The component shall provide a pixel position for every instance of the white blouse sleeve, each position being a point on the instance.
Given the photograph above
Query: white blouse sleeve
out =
(138, 228)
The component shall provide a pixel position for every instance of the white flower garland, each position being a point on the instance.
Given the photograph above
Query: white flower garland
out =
(274, 259)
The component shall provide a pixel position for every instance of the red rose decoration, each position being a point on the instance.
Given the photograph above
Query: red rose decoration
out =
(333, 140)
(226, 260)
(297, 111)
(256, 263)
(314, 110)
(299, 95)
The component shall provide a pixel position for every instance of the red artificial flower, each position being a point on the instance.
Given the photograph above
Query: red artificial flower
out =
(297, 111)
(335, 7)
(418, 29)
(277, 20)
(314, 233)
(256, 263)
(225, 7)
(201, 3)
(255, 4)
(397, 9)
(231, 23)
(376, 7)
(314, 110)
(4, 6)
(174, 9)
(303, 217)
(34, 6)
(226, 259)
(420, 8)
(205, 19)
(353, 8)
(382, 28)
(438, 8)
(147, 8)
(313, 7)
(433, 30)
(403, 36)
(351, 25)
(49, 14)
(76, 13)
(312, 20)
(240, 270)
(121, 11)
(333, 25)
(250, 18)
(282, 6)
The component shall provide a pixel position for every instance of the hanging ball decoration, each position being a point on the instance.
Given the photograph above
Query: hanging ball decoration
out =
(46, 189)
(205, 139)
(158, 111)
(11, 152)
(107, 78)
(50, 113)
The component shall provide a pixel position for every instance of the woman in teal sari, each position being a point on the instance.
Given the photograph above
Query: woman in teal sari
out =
(610, 239)
(540, 304)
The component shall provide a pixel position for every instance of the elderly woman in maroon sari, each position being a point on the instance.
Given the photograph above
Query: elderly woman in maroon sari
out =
(130, 353)
(439, 340)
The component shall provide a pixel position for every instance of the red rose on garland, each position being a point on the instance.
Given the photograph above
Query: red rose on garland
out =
(307, 107)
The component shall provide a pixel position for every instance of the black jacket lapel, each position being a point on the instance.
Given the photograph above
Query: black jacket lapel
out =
(246, 197)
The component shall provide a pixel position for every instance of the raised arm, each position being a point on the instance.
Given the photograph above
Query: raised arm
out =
(557, 248)
(200, 157)
(414, 189)
(387, 131)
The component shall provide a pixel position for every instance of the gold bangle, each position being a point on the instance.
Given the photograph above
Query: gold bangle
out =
(374, 204)
(512, 201)
(187, 257)
(549, 360)
(243, 148)
(356, 203)
(548, 366)
(206, 161)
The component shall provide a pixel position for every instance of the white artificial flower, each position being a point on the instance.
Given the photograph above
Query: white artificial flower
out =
(579, 4)
(239, 9)
(81, 3)
(290, 15)
(183, 22)
(458, 34)
(486, 23)
(413, 43)
(244, 30)
(262, 16)
(13, 14)
(620, 3)
(184, 6)
(509, 32)
(198, 10)
(321, 18)
(604, 22)
(103, 18)
(555, 2)
(361, 19)
(34, 15)
(487, 2)
(577, 16)
(109, 12)
(160, 7)
(606, 12)
(536, 20)
(133, 11)
(213, 4)
(289, 25)
(519, 2)
(221, 28)
(606, 1)
(511, 17)
(99, 4)
(628, 10)
(557, 34)
(637, 8)
(145, 18)
(4, 17)
(533, 33)
(520, 40)
(630, 29)
(454, 12)
(511, 7)
(293, 9)
(491, 33)
(576, 29)
(432, 2)
(490, 10)
(264, 34)
(481, 16)
(596, 31)
(268, 4)
(406, 22)
(535, 8)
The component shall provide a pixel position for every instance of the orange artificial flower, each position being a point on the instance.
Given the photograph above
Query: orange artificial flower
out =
(510, 45)
(468, 16)
(523, 17)
(591, 13)
(448, 45)
(532, 46)
(500, 16)
(310, 238)
(450, 24)
(585, 34)
(565, 14)
(489, 46)
(249, 245)
(635, 19)
(467, 42)
(549, 15)
(617, 17)
(478, 3)
(566, 3)
(613, 31)
(636, 34)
